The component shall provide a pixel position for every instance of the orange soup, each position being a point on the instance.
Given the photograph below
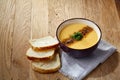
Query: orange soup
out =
(81, 41)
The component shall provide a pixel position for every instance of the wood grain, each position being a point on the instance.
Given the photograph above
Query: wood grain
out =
(39, 18)
(15, 33)
(21, 20)
(21, 35)
(6, 40)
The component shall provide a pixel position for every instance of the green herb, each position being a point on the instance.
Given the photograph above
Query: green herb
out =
(77, 36)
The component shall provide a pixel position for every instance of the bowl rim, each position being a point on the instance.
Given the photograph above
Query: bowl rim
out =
(80, 19)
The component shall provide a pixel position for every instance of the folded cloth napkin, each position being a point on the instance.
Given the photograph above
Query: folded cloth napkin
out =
(77, 69)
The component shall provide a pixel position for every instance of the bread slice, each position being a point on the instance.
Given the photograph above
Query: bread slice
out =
(43, 43)
(40, 55)
(47, 66)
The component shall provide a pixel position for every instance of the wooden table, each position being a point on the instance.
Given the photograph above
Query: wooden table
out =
(21, 20)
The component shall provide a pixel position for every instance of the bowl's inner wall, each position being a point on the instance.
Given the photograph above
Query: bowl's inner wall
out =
(82, 21)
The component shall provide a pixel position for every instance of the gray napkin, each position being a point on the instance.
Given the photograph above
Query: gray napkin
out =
(77, 69)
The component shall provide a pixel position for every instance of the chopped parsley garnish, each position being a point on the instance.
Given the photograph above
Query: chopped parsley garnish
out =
(77, 36)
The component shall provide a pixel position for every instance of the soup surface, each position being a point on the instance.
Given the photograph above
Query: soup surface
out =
(87, 40)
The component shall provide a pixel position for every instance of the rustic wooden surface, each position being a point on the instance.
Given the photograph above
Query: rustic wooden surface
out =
(21, 20)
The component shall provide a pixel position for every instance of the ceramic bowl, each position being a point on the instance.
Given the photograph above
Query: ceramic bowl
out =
(77, 53)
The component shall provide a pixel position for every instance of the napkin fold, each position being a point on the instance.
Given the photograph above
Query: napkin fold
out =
(77, 69)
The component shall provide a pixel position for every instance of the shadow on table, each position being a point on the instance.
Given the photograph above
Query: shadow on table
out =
(107, 67)
(117, 2)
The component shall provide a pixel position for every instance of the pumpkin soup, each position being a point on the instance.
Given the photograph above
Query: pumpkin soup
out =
(78, 36)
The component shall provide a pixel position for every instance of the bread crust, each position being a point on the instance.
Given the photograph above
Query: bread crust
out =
(45, 59)
(44, 48)
(46, 71)
(40, 59)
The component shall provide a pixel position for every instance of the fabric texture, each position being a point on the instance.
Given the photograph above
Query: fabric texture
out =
(77, 69)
